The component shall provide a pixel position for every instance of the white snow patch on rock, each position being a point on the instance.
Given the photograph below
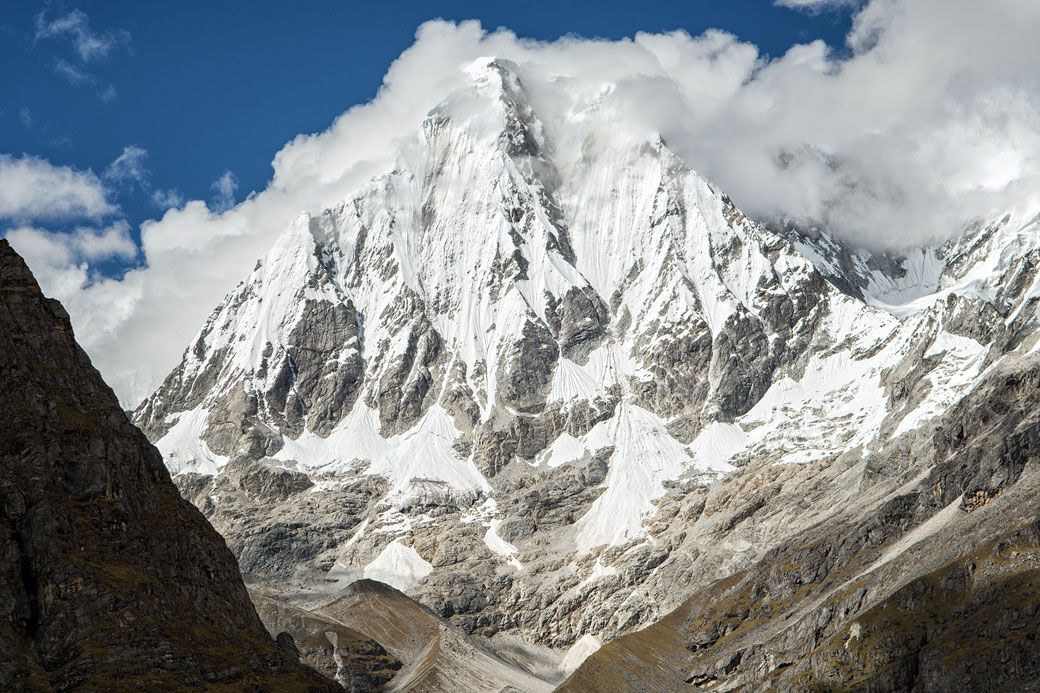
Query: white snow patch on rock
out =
(578, 653)
(645, 456)
(499, 545)
(566, 448)
(598, 572)
(716, 444)
(950, 380)
(183, 448)
(399, 566)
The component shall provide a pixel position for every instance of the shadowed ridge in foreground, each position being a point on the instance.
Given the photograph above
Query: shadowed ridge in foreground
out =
(108, 578)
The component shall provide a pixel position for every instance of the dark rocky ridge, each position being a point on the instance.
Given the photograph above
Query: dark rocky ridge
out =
(110, 580)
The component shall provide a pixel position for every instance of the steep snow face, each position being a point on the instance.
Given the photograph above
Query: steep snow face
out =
(645, 456)
(548, 339)
(657, 239)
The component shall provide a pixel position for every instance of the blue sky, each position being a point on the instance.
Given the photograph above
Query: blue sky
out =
(198, 89)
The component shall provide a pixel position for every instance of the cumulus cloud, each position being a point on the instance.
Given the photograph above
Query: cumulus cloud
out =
(62, 263)
(129, 167)
(33, 188)
(83, 244)
(75, 27)
(928, 120)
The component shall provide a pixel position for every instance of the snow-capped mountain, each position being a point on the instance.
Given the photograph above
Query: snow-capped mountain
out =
(552, 395)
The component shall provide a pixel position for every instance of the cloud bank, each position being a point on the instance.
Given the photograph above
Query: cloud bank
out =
(927, 119)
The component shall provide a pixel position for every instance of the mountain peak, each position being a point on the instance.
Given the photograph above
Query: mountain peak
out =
(504, 358)
(493, 106)
(491, 67)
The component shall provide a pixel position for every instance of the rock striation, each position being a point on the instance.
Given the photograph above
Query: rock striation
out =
(110, 580)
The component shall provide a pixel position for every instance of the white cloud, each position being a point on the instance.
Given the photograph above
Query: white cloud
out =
(72, 74)
(33, 188)
(62, 265)
(83, 244)
(88, 45)
(129, 167)
(930, 119)
(165, 199)
(25, 117)
(75, 26)
(224, 192)
(817, 5)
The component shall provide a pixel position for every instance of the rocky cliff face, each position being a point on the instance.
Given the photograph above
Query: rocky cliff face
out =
(110, 580)
(553, 389)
